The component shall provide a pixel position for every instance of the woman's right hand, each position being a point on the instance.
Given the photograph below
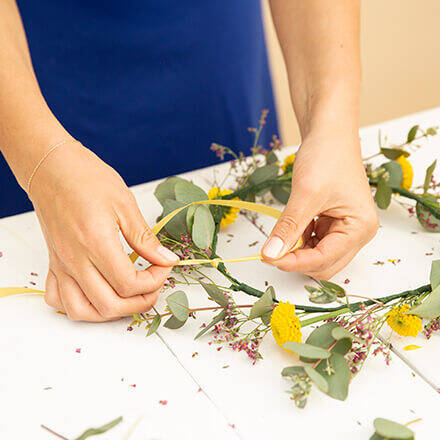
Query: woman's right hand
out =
(82, 205)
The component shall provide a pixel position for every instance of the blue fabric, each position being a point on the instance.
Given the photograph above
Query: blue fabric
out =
(148, 85)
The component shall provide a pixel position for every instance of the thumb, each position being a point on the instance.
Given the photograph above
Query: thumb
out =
(288, 230)
(142, 240)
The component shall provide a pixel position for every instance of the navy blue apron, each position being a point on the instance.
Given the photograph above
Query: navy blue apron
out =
(148, 85)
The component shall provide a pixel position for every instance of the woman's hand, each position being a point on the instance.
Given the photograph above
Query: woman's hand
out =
(328, 182)
(82, 204)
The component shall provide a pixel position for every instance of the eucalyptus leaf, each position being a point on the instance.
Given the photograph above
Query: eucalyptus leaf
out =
(393, 153)
(263, 173)
(281, 193)
(392, 430)
(383, 194)
(337, 374)
(395, 173)
(322, 297)
(266, 172)
(190, 217)
(435, 274)
(429, 308)
(216, 294)
(412, 134)
(293, 370)
(263, 306)
(322, 337)
(335, 288)
(428, 176)
(165, 190)
(319, 381)
(177, 225)
(187, 192)
(203, 227)
(154, 325)
(341, 333)
(173, 323)
(214, 321)
(100, 430)
(178, 305)
(309, 351)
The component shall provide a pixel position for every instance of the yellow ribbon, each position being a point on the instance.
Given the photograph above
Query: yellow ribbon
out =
(250, 206)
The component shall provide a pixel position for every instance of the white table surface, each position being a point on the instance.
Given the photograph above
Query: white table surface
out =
(44, 380)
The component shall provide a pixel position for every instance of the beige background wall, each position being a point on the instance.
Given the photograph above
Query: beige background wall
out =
(400, 56)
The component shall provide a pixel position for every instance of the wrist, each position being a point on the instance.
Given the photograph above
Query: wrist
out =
(332, 110)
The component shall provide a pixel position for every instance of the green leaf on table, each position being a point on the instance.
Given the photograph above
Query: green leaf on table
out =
(293, 370)
(177, 225)
(337, 374)
(154, 325)
(427, 219)
(392, 430)
(429, 308)
(333, 287)
(376, 436)
(178, 305)
(281, 193)
(394, 172)
(173, 323)
(165, 190)
(187, 192)
(264, 305)
(216, 294)
(383, 194)
(322, 337)
(341, 333)
(203, 227)
(321, 296)
(412, 134)
(271, 158)
(428, 176)
(318, 380)
(215, 320)
(309, 351)
(393, 153)
(434, 277)
(100, 430)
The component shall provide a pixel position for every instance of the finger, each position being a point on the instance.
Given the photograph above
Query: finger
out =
(332, 248)
(107, 302)
(76, 304)
(113, 263)
(333, 270)
(140, 237)
(290, 226)
(52, 296)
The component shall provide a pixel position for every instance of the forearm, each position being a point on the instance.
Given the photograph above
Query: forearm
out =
(27, 126)
(320, 43)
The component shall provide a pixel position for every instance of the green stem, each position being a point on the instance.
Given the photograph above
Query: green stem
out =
(325, 316)
(431, 207)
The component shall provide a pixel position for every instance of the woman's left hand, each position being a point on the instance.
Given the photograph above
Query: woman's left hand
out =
(330, 205)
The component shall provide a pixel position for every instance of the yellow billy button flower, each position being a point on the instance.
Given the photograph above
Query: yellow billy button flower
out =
(408, 173)
(229, 214)
(289, 160)
(285, 324)
(404, 325)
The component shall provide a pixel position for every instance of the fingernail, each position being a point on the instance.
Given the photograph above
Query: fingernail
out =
(167, 254)
(273, 247)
